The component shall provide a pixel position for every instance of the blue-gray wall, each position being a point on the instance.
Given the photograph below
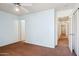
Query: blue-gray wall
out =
(8, 29)
(39, 28)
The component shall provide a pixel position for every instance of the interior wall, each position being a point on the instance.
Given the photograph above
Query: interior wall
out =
(40, 29)
(8, 28)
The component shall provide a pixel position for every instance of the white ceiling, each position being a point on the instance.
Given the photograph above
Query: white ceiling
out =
(8, 7)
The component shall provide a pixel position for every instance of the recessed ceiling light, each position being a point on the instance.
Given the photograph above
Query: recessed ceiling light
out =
(17, 9)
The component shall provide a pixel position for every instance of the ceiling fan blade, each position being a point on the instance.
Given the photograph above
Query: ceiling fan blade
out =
(26, 4)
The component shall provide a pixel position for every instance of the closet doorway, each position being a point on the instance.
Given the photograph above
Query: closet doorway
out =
(21, 30)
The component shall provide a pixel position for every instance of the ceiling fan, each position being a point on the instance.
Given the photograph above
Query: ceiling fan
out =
(22, 6)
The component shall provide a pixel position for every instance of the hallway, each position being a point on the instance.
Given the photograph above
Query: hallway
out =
(63, 40)
(63, 43)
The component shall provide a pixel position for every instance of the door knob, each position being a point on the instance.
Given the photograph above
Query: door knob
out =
(72, 34)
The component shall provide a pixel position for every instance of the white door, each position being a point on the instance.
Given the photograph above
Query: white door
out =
(76, 32)
(77, 40)
(74, 29)
(72, 32)
(22, 30)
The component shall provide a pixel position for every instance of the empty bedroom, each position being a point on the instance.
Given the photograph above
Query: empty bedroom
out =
(39, 29)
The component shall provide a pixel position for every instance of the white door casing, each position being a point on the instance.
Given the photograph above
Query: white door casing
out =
(70, 34)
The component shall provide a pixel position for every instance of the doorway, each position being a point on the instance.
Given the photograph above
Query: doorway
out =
(63, 31)
(21, 30)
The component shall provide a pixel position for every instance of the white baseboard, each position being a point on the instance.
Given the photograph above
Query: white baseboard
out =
(38, 44)
(8, 43)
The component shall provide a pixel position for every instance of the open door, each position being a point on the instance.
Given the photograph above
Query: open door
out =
(75, 25)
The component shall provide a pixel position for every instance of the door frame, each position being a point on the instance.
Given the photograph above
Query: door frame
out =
(70, 34)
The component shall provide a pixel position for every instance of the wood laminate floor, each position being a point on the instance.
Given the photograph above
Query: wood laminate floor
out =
(25, 49)
(63, 40)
